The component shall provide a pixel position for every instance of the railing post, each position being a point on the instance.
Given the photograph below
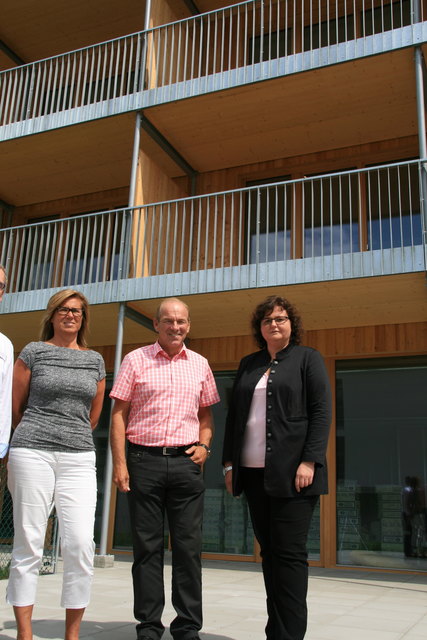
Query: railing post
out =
(143, 67)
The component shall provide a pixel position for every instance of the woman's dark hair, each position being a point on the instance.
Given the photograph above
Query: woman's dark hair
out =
(265, 308)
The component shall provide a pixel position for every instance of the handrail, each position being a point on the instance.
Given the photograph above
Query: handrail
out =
(347, 224)
(191, 50)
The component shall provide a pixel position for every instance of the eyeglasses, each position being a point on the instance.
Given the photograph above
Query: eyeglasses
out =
(2, 286)
(267, 322)
(63, 311)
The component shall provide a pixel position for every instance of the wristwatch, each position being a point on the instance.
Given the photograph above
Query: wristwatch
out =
(205, 446)
(227, 469)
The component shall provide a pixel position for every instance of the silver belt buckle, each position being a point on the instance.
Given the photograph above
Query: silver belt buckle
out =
(170, 452)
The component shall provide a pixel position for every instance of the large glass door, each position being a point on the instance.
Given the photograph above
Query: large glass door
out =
(227, 527)
(382, 462)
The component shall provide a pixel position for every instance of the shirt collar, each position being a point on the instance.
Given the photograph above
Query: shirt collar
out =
(159, 350)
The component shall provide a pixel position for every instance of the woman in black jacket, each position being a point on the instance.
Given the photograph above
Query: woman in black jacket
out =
(275, 452)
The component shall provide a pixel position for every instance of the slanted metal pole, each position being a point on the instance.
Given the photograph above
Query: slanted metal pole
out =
(109, 460)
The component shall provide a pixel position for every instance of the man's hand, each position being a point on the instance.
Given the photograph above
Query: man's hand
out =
(198, 454)
(118, 444)
(304, 475)
(121, 477)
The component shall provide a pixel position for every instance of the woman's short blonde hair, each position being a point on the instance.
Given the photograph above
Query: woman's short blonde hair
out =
(57, 300)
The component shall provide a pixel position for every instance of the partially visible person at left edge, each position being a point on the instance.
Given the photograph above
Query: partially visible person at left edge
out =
(6, 370)
(58, 392)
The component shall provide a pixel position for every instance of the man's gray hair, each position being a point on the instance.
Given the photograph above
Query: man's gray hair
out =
(159, 308)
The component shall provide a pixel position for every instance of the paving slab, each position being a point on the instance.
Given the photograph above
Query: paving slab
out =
(343, 603)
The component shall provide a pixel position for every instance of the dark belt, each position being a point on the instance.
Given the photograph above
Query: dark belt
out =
(161, 451)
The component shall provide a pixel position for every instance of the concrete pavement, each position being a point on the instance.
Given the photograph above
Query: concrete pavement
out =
(343, 604)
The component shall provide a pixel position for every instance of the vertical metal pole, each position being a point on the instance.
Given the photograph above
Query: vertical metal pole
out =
(121, 316)
(422, 141)
(147, 14)
(109, 460)
(135, 158)
(419, 77)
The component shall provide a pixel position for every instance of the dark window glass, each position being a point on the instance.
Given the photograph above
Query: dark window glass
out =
(382, 462)
(269, 220)
(387, 16)
(270, 46)
(329, 32)
(331, 211)
(393, 207)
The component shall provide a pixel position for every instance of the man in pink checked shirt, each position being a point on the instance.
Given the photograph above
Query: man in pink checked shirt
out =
(163, 394)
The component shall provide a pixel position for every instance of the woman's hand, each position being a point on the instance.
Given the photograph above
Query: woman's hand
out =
(229, 481)
(20, 390)
(304, 475)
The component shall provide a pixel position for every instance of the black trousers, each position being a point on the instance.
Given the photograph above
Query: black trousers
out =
(281, 526)
(173, 486)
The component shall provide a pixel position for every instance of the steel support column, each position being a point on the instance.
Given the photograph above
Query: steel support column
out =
(109, 460)
(135, 159)
(420, 71)
(120, 325)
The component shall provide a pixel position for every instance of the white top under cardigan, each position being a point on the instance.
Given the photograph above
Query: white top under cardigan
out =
(253, 451)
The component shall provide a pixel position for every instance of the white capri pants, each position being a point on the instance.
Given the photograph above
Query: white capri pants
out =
(37, 480)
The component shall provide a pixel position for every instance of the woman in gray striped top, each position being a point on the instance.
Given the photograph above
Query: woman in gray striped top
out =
(58, 392)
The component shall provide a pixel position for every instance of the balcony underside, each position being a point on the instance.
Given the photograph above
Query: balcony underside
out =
(308, 276)
(376, 102)
(335, 304)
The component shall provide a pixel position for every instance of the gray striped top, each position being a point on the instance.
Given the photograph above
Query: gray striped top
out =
(63, 384)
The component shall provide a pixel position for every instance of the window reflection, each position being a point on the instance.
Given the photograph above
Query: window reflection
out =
(381, 449)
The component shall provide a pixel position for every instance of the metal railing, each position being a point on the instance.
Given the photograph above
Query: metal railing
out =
(188, 54)
(341, 225)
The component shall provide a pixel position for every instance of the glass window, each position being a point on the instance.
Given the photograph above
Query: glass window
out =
(382, 462)
(93, 248)
(269, 220)
(393, 207)
(329, 32)
(331, 211)
(275, 44)
(387, 16)
(226, 523)
(35, 262)
(227, 526)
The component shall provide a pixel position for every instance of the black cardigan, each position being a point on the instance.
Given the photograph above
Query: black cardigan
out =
(298, 418)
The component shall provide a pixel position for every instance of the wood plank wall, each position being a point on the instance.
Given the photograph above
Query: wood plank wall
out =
(224, 354)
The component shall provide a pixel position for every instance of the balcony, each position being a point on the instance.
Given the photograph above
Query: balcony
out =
(346, 225)
(241, 44)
